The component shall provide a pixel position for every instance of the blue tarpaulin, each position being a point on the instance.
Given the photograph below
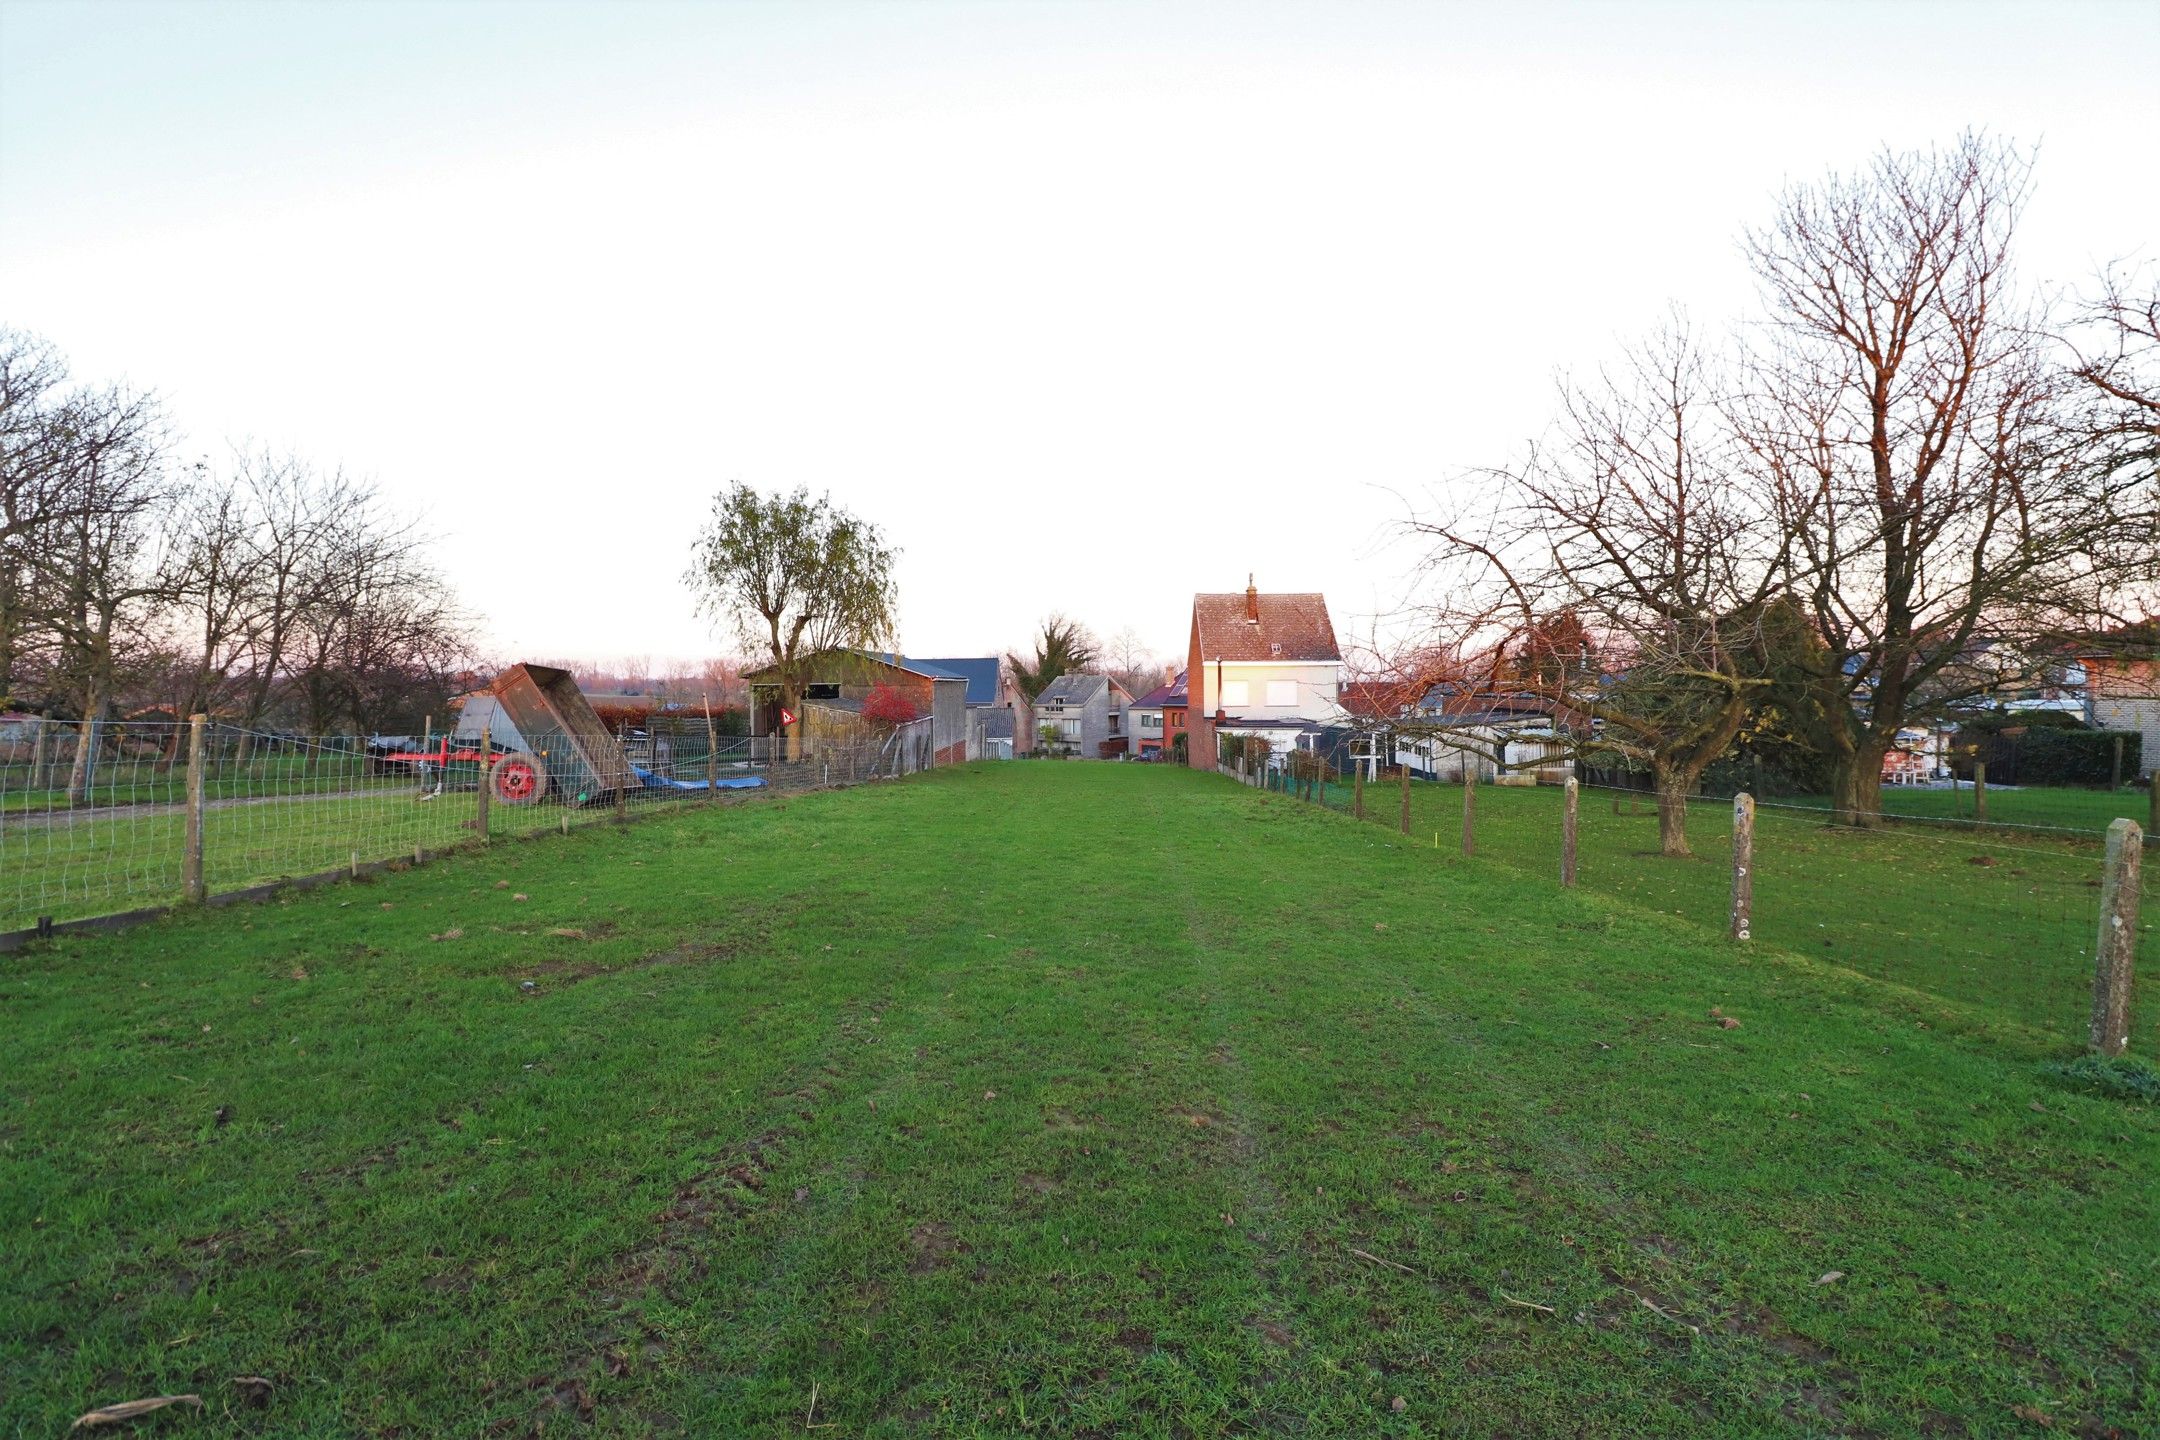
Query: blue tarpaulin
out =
(660, 782)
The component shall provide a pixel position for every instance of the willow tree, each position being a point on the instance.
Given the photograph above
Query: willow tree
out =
(794, 577)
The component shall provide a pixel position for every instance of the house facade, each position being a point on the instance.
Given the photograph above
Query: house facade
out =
(1150, 739)
(1453, 730)
(1084, 715)
(2122, 687)
(1260, 664)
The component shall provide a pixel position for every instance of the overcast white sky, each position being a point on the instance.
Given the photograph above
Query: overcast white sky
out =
(1090, 305)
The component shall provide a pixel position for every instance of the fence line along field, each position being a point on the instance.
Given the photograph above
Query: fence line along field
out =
(95, 826)
(2002, 917)
(1043, 1098)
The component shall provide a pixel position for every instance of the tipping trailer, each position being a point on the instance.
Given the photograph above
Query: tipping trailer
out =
(544, 739)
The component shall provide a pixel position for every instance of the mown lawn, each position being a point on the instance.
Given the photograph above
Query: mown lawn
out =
(1041, 1099)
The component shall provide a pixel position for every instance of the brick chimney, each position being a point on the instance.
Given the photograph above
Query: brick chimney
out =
(1252, 601)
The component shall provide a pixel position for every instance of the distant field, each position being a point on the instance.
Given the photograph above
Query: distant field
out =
(2002, 919)
(1072, 1100)
(2044, 806)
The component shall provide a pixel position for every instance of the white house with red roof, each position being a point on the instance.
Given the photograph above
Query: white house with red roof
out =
(1261, 664)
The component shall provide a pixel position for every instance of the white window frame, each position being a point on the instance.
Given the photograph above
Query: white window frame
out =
(1281, 694)
(1236, 692)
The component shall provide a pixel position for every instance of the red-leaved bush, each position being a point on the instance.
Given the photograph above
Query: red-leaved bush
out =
(887, 706)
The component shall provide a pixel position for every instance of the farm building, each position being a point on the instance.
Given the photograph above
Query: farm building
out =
(835, 686)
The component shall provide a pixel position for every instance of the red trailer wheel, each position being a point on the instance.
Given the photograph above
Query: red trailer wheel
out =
(520, 779)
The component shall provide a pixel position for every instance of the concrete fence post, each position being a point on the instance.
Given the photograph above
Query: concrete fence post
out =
(2152, 803)
(1570, 804)
(1405, 823)
(1979, 789)
(1743, 866)
(2118, 938)
(2115, 770)
(1357, 788)
(487, 784)
(191, 853)
(1469, 805)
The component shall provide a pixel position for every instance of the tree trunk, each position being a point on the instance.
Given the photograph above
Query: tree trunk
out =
(1856, 784)
(1673, 784)
(85, 747)
(793, 705)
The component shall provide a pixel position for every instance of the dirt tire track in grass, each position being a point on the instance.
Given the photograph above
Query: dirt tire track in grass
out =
(710, 1209)
(1256, 1206)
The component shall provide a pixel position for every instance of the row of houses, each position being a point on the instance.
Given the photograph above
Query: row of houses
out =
(1267, 667)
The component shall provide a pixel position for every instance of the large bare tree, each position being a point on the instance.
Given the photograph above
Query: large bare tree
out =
(92, 578)
(32, 377)
(1907, 424)
(1620, 577)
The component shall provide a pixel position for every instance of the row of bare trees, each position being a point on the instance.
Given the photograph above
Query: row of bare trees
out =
(1907, 478)
(264, 590)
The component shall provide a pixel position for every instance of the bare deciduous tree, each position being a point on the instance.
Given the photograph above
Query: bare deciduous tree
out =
(1623, 577)
(1906, 425)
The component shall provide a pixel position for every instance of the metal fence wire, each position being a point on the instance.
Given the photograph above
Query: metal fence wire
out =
(94, 819)
(2003, 918)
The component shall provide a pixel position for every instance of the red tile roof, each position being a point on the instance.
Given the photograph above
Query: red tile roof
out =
(1382, 699)
(1290, 628)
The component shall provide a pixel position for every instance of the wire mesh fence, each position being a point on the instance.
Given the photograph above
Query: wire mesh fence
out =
(2002, 917)
(95, 819)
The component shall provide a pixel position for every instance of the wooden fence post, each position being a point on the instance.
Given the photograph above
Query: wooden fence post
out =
(2118, 938)
(1357, 787)
(1979, 789)
(191, 854)
(1469, 805)
(1405, 769)
(39, 749)
(487, 783)
(2115, 770)
(1569, 803)
(1743, 866)
(2152, 804)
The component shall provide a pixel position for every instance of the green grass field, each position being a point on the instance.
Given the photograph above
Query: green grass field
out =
(1068, 1100)
(82, 866)
(2001, 919)
(2047, 807)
